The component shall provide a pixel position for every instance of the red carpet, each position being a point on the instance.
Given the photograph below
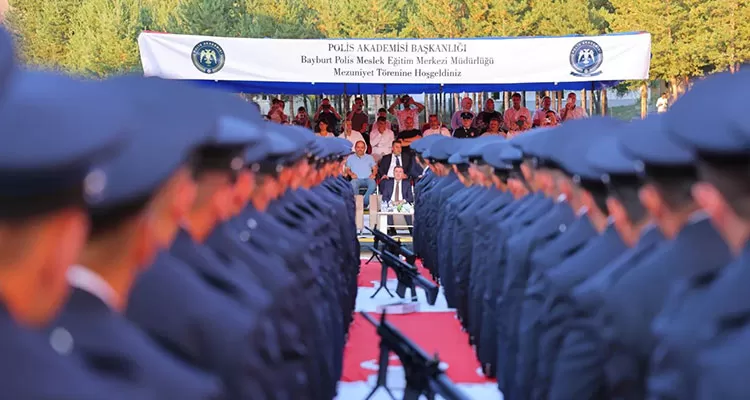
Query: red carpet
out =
(371, 272)
(435, 329)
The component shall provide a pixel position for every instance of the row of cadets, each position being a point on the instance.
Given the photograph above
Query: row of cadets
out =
(618, 272)
(172, 297)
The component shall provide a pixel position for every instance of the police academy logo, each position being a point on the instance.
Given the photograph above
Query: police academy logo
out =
(208, 57)
(586, 57)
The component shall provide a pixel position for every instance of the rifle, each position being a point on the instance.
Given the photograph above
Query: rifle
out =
(423, 373)
(408, 277)
(392, 245)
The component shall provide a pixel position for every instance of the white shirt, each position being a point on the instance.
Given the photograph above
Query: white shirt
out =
(575, 113)
(397, 183)
(662, 104)
(353, 137)
(393, 164)
(381, 142)
(541, 114)
(89, 281)
(439, 131)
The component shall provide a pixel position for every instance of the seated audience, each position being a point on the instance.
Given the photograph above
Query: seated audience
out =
(389, 162)
(361, 167)
(351, 135)
(382, 112)
(517, 113)
(302, 118)
(327, 113)
(323, 130)
(276, 113)
(493, 128)
(549, 120)
(434, 127)
(457, 120)
(466, 131)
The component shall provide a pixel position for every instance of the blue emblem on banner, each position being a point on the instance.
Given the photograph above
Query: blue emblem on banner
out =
(208, 57)
(586, 57)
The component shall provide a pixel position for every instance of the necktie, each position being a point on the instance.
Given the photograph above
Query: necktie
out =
(398, 161)
(398, 190)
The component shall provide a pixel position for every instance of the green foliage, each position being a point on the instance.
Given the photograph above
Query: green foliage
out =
(98, 37)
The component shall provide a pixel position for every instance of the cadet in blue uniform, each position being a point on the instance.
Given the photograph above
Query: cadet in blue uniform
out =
(130, 223)
(578, 369)
(702, 330)
(50, 151)
(551, 289)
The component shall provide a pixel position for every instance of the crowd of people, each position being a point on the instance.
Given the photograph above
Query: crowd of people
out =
(379, 132)
(382, 146)
(161, 241)
(600, 259)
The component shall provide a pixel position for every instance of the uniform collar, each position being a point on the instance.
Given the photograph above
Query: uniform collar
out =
(561, 198)
(89, 281)
(582, 211)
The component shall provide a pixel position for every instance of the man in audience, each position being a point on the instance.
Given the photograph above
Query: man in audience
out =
(517, 118)
(571, 111)
(381, 139)
(358, 116)
(327, 113)
(350, 134)
(456, 120)
(435, 127)
(410, 109)
(483, 119)
(466, 131)
(409, 134)
(397, 158)
(362, 169)
(493, 128)
(397, 191)
(543, 112)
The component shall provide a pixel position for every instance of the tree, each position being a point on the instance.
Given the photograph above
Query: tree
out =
(560, 17)
(209, 18)
(678, 34)
(44, 29)
(728, 32)
(492, 18)
(103, 39)
(284, 19)
(435, 19)
(356, 19)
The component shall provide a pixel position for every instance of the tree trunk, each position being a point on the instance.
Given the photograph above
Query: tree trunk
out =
(583, 100)
(506, 100)
(644, 99)
(604, 102)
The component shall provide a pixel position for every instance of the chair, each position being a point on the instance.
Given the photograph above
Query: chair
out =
(359, 201)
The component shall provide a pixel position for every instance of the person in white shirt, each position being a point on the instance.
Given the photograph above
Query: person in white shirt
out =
(436, 128)
(517, 118)
(662, 105)
(571, 111)
(351, 135)
(457, 121)
(411, 109)
(381, 139)
(541, 114)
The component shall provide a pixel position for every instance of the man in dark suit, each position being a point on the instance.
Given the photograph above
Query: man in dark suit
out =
(397, 191)
(396, 159)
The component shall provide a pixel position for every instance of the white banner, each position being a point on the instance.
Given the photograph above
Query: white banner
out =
(394, 61)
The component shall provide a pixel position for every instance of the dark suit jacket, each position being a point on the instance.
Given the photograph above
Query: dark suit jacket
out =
(385, 164)
(386, 190)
